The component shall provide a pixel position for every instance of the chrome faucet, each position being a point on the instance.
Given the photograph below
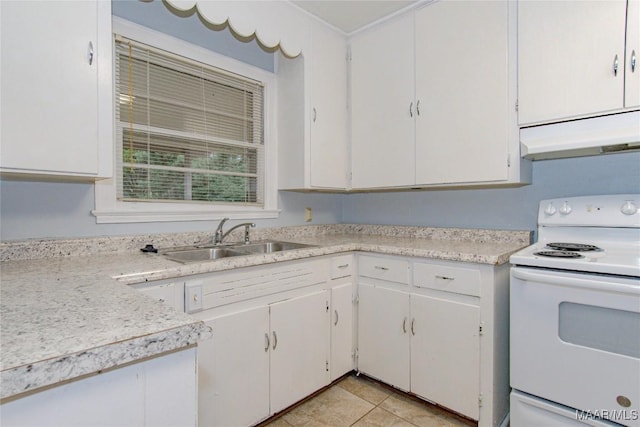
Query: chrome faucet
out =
(220, 234)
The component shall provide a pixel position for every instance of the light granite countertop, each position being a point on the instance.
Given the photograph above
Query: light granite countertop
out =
(66, 312)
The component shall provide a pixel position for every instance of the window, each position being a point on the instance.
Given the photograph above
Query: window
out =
(191, 137)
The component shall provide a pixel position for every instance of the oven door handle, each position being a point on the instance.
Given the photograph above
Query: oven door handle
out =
(616, 285)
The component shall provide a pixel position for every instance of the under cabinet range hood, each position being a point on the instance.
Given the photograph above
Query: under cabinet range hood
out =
(584, 137)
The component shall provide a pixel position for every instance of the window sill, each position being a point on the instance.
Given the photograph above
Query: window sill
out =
(121, 217)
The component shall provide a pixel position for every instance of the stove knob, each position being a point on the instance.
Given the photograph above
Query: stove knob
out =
(629, 208)
(565, 209)
(550, 209)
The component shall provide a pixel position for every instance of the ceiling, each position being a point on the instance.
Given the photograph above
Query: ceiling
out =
(351, 15)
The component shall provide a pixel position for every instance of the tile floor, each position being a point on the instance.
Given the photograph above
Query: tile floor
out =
(362, 402)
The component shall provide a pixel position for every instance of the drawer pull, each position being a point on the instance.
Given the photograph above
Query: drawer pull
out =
(337, 317)
(343, 266)
(275, 340)
(445, 277)
(413, 322)
(266, 342)
(404, 325)
(377, 267)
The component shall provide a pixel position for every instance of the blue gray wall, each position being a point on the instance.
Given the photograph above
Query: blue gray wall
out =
(46, 209)
(510, 208)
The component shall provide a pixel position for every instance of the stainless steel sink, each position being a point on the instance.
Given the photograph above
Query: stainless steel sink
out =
(202, 254)
(213, 253)
(270, 247)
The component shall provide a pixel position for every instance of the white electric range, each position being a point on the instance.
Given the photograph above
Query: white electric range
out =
(575, 315)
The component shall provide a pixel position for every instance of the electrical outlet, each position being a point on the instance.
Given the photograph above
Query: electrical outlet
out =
(308, 214)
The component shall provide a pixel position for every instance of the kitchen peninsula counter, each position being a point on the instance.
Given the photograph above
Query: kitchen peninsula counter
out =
(66, 311)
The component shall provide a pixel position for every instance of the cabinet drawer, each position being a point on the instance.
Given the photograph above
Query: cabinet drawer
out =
(393, 270)
(341, 266)
(447, 278)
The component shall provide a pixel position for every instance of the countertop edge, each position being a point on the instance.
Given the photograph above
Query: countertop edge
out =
(27, 378)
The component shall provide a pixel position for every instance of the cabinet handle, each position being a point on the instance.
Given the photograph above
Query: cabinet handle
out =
(445, 278)
(343, 266)
(161, 300)
(377, 267)
(337, 317)
(411, 109)
(266, 342)
(90, 53)
(315, 114)
(404, 325)
(633, 60)
(275, 340)
(413, 321)
(615, 66)
(418, 107)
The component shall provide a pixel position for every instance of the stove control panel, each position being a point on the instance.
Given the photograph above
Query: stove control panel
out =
(617, 210)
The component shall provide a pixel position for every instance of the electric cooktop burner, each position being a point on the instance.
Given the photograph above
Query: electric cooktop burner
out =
(559, 254)
(574, 247)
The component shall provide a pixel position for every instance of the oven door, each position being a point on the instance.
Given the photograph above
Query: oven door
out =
(575, 340)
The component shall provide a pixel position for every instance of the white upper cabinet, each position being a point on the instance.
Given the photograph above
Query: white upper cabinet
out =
(433, 96)
(382, 105)
(312, 114)
(329, 127)
(466, 118)
(632, 62)
(56, 88)
(572, 60)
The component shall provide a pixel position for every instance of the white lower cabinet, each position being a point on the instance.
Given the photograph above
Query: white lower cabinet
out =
(341, 359)
(271, 337)
(445, 353)
(299, 348)
(437, 329)
(233, 369)
(428, 346)
(383, 342)
(271, 356)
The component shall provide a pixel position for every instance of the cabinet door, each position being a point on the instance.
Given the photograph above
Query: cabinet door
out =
(299, 348)
(49, 87)
(328, 144)
(631, 73)
(445, 353)
(566, 54)
(233, 370)
(383, 334)
(341, 330)
(382, 108)
(463, 126)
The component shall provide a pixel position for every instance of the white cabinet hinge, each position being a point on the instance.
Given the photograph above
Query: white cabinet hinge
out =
(480, 329)
(355, 357)
(516, 105)
(349, 57)
(356, 299)
(327, 309)
(326, 365)
(480, 400)
(509, 160)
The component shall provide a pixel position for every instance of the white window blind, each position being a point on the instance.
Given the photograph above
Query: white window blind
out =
(186, 131)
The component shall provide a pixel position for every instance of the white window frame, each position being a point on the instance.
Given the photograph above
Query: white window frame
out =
(111, 210)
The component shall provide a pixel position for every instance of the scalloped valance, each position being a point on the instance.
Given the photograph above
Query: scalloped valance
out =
(276, 24)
